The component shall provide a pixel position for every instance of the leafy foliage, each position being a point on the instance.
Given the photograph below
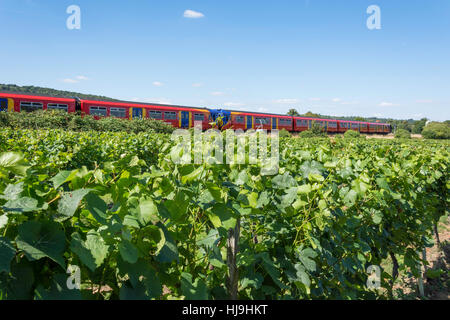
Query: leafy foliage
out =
(437, 130)
(402, 134)
(70, 121)
(144, 227)
(352, 134)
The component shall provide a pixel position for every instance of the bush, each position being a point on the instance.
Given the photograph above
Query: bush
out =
(402, 134)
(352, 134)
(284, 133)
(437, 130)
(311, 134)
(76, 122)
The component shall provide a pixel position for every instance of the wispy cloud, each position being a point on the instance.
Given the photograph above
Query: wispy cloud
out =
(262, 109)
(191, 14)
(75, 80)
(157, 84)
(70, 81)
(197, 85)
(217, 93)
(349, 103)
(314, 99)
(336, 100)
(286, 101)
(424, 101)
(233, 104)
(153, 100)
(387, 104)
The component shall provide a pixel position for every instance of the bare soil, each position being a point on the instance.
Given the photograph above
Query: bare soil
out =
(437, 279)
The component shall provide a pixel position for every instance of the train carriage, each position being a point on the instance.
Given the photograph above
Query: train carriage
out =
(247, 121)
(28, 103)
(179, 117)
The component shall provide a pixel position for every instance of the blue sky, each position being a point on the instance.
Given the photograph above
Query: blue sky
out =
(253, 55)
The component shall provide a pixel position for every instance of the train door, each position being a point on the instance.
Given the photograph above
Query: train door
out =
(137, 113)
(249, 122)
(3, 104)
(184, 119)
(309, 124)
(274, 123)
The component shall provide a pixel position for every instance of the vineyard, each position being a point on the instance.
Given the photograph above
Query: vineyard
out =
(139, 226)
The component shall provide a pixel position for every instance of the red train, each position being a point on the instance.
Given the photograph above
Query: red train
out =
(183, 117)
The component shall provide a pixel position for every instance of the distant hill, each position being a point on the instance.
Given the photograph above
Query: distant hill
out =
(50, 92)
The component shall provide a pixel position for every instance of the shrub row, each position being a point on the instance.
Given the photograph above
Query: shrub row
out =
(77, 122)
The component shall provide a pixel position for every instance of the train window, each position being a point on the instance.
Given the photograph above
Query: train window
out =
(98, 111)
(260, 121)
(321, 123)
(332, 124)
(155, 114)
(30, 106)
(239, 119)
(118, 112)
(56, 106)
(372, 126)
(199, 117)
(169, 115)
(355, 125)
(285, 122)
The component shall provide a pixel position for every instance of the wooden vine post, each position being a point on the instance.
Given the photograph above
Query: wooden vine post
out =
(232, 251)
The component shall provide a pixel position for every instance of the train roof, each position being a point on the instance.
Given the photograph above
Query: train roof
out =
(31, 96)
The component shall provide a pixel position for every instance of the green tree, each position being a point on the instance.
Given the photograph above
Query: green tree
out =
(309, 114)
(419, 125)
(437, 130)
(293, 113)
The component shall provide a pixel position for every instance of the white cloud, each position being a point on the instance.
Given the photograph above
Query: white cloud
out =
(336, 100)
(217, 93)
(387, 104)
(197, 85)
(233, 104)
(76, 79)
(70, 81)
(286, 101)
(193, 14)
(157, 84)
(153, 100)
(262, 109)
(314, 99)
